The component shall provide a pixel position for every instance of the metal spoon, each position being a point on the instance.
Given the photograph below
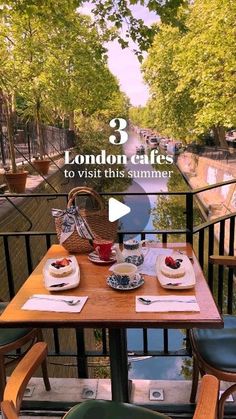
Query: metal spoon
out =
(148, 302)
(69, 302)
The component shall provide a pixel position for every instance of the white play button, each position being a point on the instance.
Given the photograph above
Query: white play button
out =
(117, 210)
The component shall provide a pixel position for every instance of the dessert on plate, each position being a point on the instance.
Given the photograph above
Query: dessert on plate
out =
(61, 267)
(173, 268)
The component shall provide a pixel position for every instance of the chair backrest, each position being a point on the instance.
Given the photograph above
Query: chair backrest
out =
(19, 379)
(208, 398)
(9, 410)
(206, 406)
(223, 260)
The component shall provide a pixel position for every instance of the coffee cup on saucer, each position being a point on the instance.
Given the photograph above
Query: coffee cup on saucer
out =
(103, 248)
(124, 273)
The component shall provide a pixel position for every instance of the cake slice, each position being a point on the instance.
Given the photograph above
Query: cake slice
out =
(172, 268)
(61, 267)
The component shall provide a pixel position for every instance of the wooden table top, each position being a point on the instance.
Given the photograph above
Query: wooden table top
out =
(106, 307)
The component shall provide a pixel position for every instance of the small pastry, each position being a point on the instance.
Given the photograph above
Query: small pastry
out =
(172, 268)
(61, 268)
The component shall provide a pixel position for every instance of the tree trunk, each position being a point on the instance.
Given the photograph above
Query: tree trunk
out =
(219, 136)
(39, 132)
(10, 130)
(72, 121)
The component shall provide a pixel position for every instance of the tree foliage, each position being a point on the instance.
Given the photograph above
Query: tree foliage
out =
(53, 68)
(172, 111)
(206, 63)
(108, 15)
(191, 73)
(139, 116)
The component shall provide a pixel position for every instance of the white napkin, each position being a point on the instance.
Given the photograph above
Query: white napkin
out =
(43, 302)
(167, 303)
(149, 265)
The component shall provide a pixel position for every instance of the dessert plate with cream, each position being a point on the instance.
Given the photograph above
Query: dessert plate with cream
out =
(61, 273)
(175, 271)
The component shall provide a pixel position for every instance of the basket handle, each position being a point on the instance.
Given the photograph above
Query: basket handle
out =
(84, 190)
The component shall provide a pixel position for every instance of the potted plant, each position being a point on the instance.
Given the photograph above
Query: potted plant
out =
(15, 177)
(41, 164)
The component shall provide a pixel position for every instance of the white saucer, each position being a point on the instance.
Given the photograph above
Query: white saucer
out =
(93, 257)
(136, 283)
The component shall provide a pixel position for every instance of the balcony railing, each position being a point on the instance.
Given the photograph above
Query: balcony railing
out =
(55, 141)
(208, 238)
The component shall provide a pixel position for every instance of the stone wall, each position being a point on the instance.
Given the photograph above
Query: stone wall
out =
(202, 171)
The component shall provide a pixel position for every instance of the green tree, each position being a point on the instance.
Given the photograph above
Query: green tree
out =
(55, 68)
(206, 64)
(139, 116)
(24, 41)
(108, 15)
(171, 112)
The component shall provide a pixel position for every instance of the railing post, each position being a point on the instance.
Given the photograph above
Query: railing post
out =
(2, 149)
(189, 217)
(82, 366)
(11, 285)
(119, 365)
(27, 134)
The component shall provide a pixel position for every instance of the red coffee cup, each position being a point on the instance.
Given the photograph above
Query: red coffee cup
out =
(103, 248)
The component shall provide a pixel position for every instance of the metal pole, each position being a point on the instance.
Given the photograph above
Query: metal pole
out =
(82, 366)
(2, 148)
(28, 140)
(189, 217)
(1, 134)
(119, 365)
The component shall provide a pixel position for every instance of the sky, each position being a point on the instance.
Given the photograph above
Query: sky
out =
(124, 64)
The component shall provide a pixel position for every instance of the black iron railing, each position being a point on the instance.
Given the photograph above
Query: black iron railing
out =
(213, 152)
(55, 141)
(215, 236)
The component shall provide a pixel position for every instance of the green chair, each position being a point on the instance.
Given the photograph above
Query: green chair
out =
(13, 339)
(93, 409)
(214, 350)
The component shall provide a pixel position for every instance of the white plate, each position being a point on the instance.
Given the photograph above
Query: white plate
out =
(71, 281)
(93, 257)
(185, 282)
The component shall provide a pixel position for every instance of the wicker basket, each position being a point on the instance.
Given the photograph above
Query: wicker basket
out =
(96, 219)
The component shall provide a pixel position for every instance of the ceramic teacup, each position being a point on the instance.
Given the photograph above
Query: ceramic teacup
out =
(103, 248)
(124, 273)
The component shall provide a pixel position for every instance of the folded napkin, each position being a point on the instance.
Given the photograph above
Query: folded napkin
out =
(150, 256)
(44, 302)
(167, 303)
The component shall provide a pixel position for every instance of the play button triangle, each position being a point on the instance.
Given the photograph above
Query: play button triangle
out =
(117, 210)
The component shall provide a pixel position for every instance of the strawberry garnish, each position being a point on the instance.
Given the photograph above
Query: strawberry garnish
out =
(169, 261)
(172, 263)
(61, 263)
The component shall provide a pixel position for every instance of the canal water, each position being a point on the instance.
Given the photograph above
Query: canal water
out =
(155, 368)
(145, 207)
